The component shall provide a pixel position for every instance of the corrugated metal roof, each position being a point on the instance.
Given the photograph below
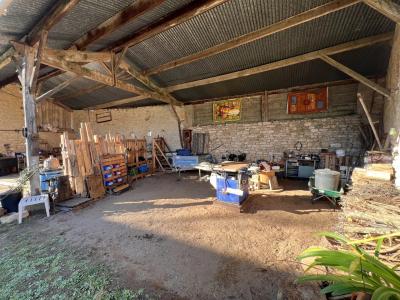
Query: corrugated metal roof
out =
(315, 71)
(142, 21)
(229, 20)
(343, 26)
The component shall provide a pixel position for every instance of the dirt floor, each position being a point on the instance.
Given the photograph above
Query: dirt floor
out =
(168, 237)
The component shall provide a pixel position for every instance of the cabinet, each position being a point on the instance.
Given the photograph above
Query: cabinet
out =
(300, 168)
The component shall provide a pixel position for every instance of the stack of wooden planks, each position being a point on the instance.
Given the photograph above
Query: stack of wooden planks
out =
(82, 156)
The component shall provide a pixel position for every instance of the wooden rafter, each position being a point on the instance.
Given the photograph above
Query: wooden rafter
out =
(265, 68)
(56, 89)
(386, 7)
(364, 80)
(296, 20)
(175, 18)
(149, 83)
(136, 9)
(285, 62)
(78, 56)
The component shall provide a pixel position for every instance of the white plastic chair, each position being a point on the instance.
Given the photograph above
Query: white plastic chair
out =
(32, 200)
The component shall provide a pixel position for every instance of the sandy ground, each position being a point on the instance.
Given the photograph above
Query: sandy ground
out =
(167, 235)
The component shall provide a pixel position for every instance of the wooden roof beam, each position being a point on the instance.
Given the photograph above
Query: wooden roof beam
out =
(364, 80)
(149, 83)
(293, 21)
(264, 68)
(386, 7)
(136, 9)
(78, 56)
(285, 62)
(175, 18)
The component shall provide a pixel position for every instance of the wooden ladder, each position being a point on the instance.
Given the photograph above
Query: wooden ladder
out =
(160, 159)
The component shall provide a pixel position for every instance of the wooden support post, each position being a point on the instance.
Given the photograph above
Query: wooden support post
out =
(359, 96)
(28, 81)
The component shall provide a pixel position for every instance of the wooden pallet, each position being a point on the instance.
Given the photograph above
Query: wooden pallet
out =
(117, 164)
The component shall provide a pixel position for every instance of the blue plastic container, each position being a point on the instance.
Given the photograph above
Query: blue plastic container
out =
(46, 175)
(183, 152)
(143, 169)
(232, 183)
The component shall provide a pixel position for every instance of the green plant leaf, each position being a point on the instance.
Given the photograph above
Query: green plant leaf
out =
(386, 293)
(378, 247)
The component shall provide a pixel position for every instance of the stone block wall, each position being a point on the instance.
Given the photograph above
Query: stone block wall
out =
(12, 118)
(263, 140)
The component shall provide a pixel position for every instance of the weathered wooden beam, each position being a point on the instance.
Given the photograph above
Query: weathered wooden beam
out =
(5, 62)
(163, 95)
(136, 9)
(364, 80)
(56, 89)
(285, 62)
(296, 20)
(78, 56)
(386, 7)
(175, 18)
(371, 123)
(52, 17)
(4, 6)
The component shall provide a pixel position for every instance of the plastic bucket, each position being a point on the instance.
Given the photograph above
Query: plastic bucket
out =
(326, 179)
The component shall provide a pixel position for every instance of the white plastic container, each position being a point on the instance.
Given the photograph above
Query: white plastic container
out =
(326, 179)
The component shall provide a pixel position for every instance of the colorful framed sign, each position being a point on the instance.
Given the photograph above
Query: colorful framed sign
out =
(227, 110)
(312, 101)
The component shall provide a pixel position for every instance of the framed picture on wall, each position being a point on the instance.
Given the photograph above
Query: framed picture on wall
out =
(227, 110)
(311, 101)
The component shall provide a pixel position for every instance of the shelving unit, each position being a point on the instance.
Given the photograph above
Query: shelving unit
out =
(300, 168)
(114, 170)
(136, 152)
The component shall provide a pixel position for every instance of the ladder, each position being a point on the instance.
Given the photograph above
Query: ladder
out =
(160, 160)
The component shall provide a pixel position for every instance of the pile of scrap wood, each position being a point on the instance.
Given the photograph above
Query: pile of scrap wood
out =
(372, 208)
(81, 157)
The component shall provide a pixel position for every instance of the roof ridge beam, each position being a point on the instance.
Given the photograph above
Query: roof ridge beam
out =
(282, 25)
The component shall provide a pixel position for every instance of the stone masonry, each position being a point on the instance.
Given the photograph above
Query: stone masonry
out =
(262, 140)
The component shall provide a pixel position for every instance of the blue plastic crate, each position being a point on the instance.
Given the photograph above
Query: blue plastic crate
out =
(143, 169)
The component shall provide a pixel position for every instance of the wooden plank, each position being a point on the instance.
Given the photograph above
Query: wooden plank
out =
(386, 7)
(175, 18)
(371, 123)
(285, 62)
(78, 56)
(364, 80)
(56, 89)
(136, 9)
(5, 62)
(296, 20)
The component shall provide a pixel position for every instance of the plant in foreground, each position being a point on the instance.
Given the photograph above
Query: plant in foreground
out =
(353, 269)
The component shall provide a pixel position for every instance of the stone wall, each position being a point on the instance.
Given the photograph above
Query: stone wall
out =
(263, 140)
(12, 118)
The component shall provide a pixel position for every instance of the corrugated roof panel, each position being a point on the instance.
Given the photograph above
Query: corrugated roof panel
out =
(140, 22)
(87, 14)
(343, 26)
(100, 96)
(367, 61)
(227, 21)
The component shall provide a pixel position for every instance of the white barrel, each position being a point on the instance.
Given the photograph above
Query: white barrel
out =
(326, 179)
